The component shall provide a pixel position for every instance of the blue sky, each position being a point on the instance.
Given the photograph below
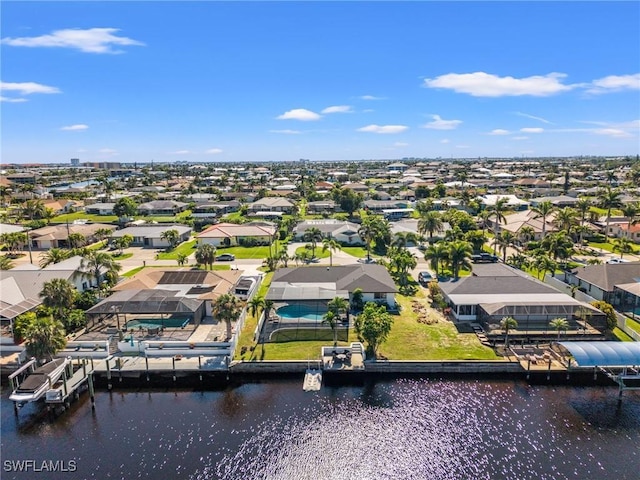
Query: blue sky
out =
(262, 81)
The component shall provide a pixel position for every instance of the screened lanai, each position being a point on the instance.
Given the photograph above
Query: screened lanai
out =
(148, 305)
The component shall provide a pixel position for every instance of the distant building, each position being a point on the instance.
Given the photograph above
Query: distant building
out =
(75, 162)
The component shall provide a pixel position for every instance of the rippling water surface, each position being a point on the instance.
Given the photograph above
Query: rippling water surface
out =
(395, 429)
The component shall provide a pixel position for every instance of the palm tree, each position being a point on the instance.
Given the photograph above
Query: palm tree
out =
(34, 209)
(182, 258)
(76, 240)
(559, 324)
(59, 295)
(583, 207)
(544, 264)
(430, 222)
(368, 232)
(622, 245)
(497, 211)
(44, 337)
(255, 305)
(206, 255)
(526, 234)
(227, 307)
(459, 256)
(98, 264)
(518, 260)
(506, 324)
(313, 236)
(436, 253)
(331, 319)
(503, 240)
(558, 245)
(332, 245)
(171, 236)
(631, 210)
(565, 219)
(543, 210)
(5, 192)
(338, 305)
(103, 234)
(609, 199)
(5, 262)
(476, 238)
(55, 255)
(402, 260)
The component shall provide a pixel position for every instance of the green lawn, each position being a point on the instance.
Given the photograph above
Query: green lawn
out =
(132, 272)
(186, 247)
(246, 335)
(70, 217)
(358, 252)
(609, 247)
(246, 252)
(633, 325)
(234, 216)
(621, 336)
(410, 340)
(123, 256)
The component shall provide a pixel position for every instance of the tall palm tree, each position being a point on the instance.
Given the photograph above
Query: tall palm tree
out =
(255, 305)
(558, 245)
(368, 232)
(543, 210)
(430, 222)
(526, 234)
(543, 263)
(103, 234)
(459, 256)
(98, 264)
(503, 240)
(507, 324)
(55, 255)
(172, 236)
(206, 255)
(313, 236)
(227, 307)
(622, 245)
(44, 337)
(566, 218)
(630, 211)
(476, 238)
(497, 212)
(330, 244)
(182, 258)
(609, 199)
(402, 260)
(76, 240)
(559, 324)
(59, 295)
(338, 305)
(583, 207)
(436, 253)
(331, 319)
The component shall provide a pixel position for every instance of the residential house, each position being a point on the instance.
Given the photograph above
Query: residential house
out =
(150, 236)
(60, 207)
(100, 208)
(304, 285)
(162, 207)
(600, 281)
(511, 201)
(57, 236)
(272, 204)
(620, 230)
(516, 221)
(321, 206)
(496, 290)
(232, 234)
(343, 232)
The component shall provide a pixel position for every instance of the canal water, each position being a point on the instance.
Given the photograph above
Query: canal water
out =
(386, 429)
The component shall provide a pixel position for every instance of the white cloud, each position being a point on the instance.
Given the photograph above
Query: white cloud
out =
(27, 88)
(213, 151)
(180, 152)
(75, 128)
(301, 114)
(533, 117)
(481, 84)
(499, 131)
(338, 109)
(12, 99)
(612, 132)
(440, 124)
(370, 97)
(445, 140)
(91, 40)
(532, 130)
(383, 128)
(287, 132)
(615, 83)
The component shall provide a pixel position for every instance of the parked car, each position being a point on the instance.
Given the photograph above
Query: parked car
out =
(425, 277)
(616, 260)
(226, 257)
(484, 257)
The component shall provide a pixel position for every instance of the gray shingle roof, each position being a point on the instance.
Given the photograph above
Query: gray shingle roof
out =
(607, 275)
(370, 278)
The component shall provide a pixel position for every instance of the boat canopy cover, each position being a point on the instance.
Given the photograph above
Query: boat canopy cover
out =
(604, 354)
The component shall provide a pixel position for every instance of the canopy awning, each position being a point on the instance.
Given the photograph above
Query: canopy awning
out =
(604, 354)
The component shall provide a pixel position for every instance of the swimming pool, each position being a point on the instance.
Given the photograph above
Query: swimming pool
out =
(157, 323)
(300, 311)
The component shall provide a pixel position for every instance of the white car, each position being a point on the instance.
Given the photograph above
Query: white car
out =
(617, 260)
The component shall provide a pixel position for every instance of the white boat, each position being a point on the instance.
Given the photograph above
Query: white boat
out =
(37, 383)
(312, 380)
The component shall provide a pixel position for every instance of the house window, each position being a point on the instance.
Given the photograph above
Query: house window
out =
(379, 296)
(84, 285)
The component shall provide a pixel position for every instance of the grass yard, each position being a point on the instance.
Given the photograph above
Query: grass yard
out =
(609, 247)
(621, 336)
(186, 248)
(358, 252)
(70, 217)
(410, 340)
(131, 273)
(123, 256)
(246, 252)
(633, 325)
